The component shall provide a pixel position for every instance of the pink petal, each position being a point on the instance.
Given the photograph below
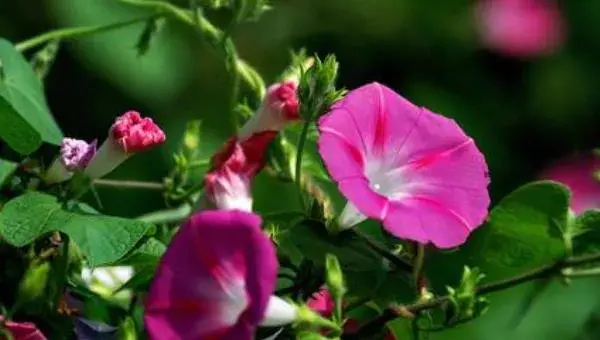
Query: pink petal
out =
(366, 200)
(425, 221)
(214, 252)
(349, 159)
(23, 330)
(321, 302)
(368, 109)
(456, 179)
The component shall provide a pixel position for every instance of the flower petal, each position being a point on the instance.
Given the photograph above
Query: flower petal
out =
(456, 178)
(218, 269)
(368, 109)
(342, 159)
(425, 221)
(367, 201)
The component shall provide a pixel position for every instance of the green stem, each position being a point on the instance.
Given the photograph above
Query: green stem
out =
(72, 32)
(546, 271)
(383, 251)
(298, 167)
(129, 184)
(418, 265)
(168, 215)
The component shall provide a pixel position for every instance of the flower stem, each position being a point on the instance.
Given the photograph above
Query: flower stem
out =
(546, 271)
(129, 184)
(72, 32)
(383, 251)
(298, 167)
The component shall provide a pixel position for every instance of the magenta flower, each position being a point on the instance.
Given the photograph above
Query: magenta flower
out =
(75, 155)
(577, 172)
(21, 330)
(321, 302)
(414, 170)
(279, 107)
(521, 28)
(130, 133)
(215, 281)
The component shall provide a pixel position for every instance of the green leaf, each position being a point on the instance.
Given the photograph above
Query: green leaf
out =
(102, 239)
(20, 87)
(16, 131)
(588, 227)
(524, 231)
(314, 241)
(6, 169)
(147, 254)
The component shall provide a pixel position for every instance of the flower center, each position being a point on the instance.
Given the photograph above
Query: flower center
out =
(237, 302)
(386, 179)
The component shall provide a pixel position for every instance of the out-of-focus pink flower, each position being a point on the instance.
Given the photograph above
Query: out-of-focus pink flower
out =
(402, 164)
(577, 173)
(521, 28)
(279, 107)
(216, 280)
(21, 330)
(75, 155)
(322, 303)
(130, 133)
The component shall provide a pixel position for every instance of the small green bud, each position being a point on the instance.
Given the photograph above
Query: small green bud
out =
(33, 284)
(334, 277)
(191, 136)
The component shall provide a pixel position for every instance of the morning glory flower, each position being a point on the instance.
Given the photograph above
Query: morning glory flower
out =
(129, 134)
(228, 184)
(216, 281)
(412, 169)
(20, 330)
(521, 28)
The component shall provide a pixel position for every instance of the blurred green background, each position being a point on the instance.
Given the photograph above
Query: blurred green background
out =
(522, 113)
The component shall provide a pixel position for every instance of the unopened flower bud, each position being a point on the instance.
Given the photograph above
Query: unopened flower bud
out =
(75, 155)
(129, 134)
(279, 107)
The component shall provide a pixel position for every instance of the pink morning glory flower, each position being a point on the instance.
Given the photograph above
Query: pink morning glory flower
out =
(129, 134)
(521, 28)
(577, 173)
(21, 330)
(228, 184)
(279, 107)
(413, 169)
(74, 155)
(216, 281)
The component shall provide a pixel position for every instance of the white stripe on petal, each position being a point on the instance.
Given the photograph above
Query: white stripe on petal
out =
(279, 312)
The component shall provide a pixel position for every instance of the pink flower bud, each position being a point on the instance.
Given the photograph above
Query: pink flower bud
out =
(75, 155)
(130, 133)
(228, 183)
(135, 134)
(279, 107)
(228, 190)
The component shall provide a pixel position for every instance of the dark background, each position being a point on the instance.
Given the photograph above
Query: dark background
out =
(523, 113)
